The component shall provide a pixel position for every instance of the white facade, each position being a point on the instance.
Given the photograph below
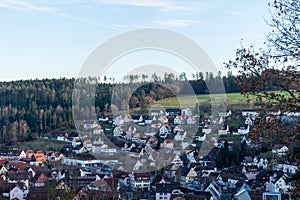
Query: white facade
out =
(16, 193)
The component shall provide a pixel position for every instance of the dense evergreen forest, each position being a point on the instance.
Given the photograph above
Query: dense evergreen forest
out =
(29, 108)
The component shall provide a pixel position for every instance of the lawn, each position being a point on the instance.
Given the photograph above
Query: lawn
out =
(41, 144)
(204, 99)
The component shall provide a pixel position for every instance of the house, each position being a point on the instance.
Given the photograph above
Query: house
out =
(190, 120)
(180, 136)
(168, 143)
(119, 121)
(249, 121)
(186, 112)
(148, 120)
(40, 179)
(243, 129)
(187, 176)
(200, 137)
(206, 130)
(170, 171)
(250, 113)
(164, 190)
(280, 150)
(173, 112)
(163, 119)
(164, 130)
(224, 130)
(3, 170)
(89, 124)
(277, 183)
(271, 195)
(127, 119)
(10, 154)
(242, 194)
(250, 172)
(22, 155)
(177, 160)
(100, 185)
(38, 194)
(39, 156)
(215, 190)
(248, 161)
(137, 119)
(118, 131)
(178, 120)
(286, 168)
(224, 113)
(140, 181)
(156, 113)
(137, 166)
(97, 130)
(16, 193)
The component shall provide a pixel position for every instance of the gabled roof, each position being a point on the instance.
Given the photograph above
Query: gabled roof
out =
(248, 159)
(277, 175)
(102, 185)
(164, 187)
(17, 176)
(139, 176)
(185, 170)
(20, 165)
(8, 152)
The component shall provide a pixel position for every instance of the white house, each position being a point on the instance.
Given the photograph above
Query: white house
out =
(89, 124)
(3, 170)
(224, 113)
(250, 172)
(243, 129)
(249, 121)
(178, 119)
(141, 181)
(242, 194)
(200, 137)
(206, 130)
(177, 160)
(277, 183)
(187, 112)
(22, 155)
(224, 130)
(250, 113)
(280, 150)
(290, 169)
(118, 131)
(190, 120)
(97, 130)
(119, 121)
(127, 119)
(163, 119)
(180, 136)
(164, 130)
(16, 193)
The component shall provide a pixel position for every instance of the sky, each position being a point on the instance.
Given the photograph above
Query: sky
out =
(52, 39)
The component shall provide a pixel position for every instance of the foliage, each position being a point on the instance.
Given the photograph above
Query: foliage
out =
(31, 108)
(277, 68)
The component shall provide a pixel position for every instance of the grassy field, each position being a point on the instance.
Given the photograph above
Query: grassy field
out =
(205, 99)
(41, 144)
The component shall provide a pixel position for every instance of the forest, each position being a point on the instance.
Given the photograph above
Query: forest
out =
(30, 108)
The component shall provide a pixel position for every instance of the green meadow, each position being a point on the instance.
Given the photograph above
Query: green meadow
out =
(204, 99)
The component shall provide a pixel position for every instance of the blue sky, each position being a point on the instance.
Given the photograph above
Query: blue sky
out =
(46, 39)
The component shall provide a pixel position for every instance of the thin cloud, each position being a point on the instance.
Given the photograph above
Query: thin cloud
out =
(177, 22)
(165, 5)
(25, 6)
(21, 5)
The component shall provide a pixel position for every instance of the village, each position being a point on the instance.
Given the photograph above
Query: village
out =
(169, 154)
